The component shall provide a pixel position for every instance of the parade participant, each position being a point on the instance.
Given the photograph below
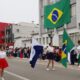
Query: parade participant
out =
(50, 56)
(3, 62)
(73, 55)
(78, 49)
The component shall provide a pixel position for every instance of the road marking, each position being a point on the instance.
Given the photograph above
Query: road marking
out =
(18, 76)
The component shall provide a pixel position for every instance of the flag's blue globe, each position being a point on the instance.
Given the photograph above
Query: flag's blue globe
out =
(55, 15)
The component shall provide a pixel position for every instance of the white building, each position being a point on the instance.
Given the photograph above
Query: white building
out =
(22, 33)
(73, 28)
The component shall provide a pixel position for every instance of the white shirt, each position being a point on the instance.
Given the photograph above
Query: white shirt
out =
(2, 54)
(50, 49)
(78, 49)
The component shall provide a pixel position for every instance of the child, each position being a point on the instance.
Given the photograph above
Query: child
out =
(3, 62)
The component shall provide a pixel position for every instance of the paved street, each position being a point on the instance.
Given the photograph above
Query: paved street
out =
(19, 69)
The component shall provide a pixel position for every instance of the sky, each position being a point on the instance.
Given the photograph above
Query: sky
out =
(15, 11)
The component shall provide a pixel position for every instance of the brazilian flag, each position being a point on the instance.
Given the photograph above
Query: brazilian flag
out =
(64, 54)
(67, 47)
(56, 15)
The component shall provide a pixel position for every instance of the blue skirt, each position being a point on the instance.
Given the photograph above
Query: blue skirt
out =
(50, 55)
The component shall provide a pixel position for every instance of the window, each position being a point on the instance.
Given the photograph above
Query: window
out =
(73, 10)
(60, 41)
(17, 30)
(77, 38)
(39, 40)
(79, 25)
(43, 40)
(47, 40)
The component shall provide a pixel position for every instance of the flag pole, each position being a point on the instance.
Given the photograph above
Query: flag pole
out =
(55, 30)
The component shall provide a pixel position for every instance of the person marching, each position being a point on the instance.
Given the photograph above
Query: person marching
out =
(3, 62)
(78, 49)
(50, 56)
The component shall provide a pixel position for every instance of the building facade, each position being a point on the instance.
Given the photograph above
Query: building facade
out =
(73, 28)
(23, 33)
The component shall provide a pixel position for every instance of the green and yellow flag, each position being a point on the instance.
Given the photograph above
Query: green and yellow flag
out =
(67, 46)
(56, 15)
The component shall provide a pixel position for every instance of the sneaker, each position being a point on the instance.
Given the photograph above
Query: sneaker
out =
(3, 78)
(47, 69)
(53, 69)
(79, 66)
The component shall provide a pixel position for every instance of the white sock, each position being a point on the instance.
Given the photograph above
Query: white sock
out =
(3, 78)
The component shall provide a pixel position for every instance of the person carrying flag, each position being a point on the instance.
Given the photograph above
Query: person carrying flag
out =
(36, 50)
